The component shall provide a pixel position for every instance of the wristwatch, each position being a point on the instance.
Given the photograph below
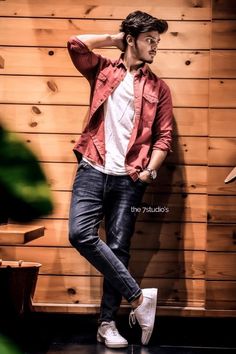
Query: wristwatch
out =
(152, 173)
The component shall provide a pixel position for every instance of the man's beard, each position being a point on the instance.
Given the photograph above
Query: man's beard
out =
(140, 57)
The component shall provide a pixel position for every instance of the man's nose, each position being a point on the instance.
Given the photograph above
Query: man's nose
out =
(154, 45)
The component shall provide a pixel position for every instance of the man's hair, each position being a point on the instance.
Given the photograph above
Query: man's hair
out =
(140, 22)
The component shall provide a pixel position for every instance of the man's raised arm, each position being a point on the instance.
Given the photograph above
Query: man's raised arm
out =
(93, 41)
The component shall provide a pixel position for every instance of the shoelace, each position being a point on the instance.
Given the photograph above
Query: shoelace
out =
(113, 331)
(132, 319)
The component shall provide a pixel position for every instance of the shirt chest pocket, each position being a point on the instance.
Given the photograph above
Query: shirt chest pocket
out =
(150, 102)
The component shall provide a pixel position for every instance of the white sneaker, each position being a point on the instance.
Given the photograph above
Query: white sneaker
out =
(108, 333)
(145, 314)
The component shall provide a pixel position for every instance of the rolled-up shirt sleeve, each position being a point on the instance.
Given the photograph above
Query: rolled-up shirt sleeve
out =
(86, 61)
(163, 124)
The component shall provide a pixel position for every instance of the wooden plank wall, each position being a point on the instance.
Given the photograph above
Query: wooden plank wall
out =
(45, 100)
(221, 235)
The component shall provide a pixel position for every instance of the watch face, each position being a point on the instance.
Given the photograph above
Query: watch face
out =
(154, 174)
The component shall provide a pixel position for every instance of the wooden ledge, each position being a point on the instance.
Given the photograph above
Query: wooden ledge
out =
(125, 309)
(19, 234)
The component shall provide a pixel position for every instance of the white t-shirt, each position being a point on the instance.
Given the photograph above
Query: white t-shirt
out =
(118, 122)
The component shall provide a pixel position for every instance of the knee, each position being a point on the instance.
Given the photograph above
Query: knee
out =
(77, 237)
(74, 238)
(81, 238)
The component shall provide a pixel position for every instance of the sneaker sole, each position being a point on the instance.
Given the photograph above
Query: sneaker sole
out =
(148, 336)
(100, 339)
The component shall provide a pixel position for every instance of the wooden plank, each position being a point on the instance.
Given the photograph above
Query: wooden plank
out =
(187, 122)
(60, 175)
(178, 178)
(222, 122)
(223, 9)
(189, 93)
(162, 207)
(216, 185)
(162, 310)
(222, 93)
(222, 152)
(44, 118)
(189, 150)
(58, 148)
(221, 237)
(221, 266)
(50, 90)
(223, 64)
(171, 178)
(223, 34)
(55, 32)
(118, 9)
(19, 233)
(187, 236)
(49, 147)
(171, 264)
(65, 119)
(144, 263)
(221, 209)
(75, 90)
(56, 61)
(88, 290)
(221, 295)
(68, 289)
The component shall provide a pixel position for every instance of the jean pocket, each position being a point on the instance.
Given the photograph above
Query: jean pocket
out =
(84, 165)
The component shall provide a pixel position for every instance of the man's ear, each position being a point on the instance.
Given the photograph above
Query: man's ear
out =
(130, 40)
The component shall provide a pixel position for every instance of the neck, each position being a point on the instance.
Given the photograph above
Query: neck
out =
(132, 63)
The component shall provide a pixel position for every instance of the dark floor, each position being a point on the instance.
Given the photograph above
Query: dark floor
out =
(76, 334)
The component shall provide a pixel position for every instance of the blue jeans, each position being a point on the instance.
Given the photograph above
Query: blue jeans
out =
(96, 195)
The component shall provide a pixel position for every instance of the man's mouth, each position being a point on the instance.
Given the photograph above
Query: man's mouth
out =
(152, 52)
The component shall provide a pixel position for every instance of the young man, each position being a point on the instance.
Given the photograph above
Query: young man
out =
(125, 141)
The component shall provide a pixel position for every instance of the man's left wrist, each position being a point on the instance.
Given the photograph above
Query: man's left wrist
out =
(152, 173)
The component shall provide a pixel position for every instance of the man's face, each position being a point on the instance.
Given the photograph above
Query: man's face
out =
(145, 46)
